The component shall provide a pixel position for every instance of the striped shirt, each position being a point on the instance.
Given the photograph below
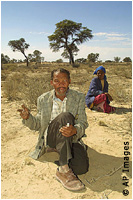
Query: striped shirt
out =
(58, 107)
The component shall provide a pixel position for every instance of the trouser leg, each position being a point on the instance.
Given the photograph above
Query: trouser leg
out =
(99, 99)
(103, 102)
(80, 161)
(56, 140)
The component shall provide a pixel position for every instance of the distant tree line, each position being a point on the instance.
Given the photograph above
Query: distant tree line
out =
(36, 57)
(31, 58)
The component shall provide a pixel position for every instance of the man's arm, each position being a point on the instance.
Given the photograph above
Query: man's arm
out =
(81, 120)
(94, 88)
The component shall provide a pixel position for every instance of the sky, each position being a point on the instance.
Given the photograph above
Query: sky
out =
(110, 22)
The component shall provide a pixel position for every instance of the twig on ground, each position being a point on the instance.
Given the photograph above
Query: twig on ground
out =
(105, 195)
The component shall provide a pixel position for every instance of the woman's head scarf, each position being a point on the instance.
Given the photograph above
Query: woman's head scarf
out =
(100, 68)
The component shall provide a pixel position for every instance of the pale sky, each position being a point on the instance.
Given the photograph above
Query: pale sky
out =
(110, 22)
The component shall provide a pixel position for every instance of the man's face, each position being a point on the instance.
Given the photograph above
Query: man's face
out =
(60, 83)
(100, 74)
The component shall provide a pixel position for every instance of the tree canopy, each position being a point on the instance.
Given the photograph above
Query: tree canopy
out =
(4, 59)
(127, 59)
(117, 59)
(19, 45)
(68, 35)
(92, 57)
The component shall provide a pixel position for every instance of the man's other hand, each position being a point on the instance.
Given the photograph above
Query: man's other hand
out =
(24, 113)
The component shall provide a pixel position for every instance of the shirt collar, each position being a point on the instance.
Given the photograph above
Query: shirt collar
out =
(57, 99)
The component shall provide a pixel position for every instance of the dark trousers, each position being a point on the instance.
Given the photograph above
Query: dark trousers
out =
(70, 153)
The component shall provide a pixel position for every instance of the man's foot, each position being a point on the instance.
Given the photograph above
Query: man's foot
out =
(69, 180)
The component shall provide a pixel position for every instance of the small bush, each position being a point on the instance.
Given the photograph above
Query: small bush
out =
(22, 87)
(75, 65)
(35, 87)
(12, 86)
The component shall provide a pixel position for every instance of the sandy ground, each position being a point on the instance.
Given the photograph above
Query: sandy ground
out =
(25, 178)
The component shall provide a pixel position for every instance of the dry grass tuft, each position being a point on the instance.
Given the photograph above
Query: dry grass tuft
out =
(22, 83)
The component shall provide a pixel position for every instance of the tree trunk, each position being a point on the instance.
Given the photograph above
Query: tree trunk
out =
(26, 59)
(71, 60)
(27, 62)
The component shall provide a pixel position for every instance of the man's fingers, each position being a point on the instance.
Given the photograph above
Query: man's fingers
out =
(23, 106)
(19, 110)
(64, 128)
(24, 110)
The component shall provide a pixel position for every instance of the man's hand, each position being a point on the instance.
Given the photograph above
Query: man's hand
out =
(24, 113)
(68, 131)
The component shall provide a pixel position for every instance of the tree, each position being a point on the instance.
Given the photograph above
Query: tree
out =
(108, 61)
(81, 60)
(20, 61)
(65, 54)
(117, 59)
(4, 59)
(19, 45)
(68, 35)
(13, 61)
(31, 58)
(59, 61)
(127, 59)
(93, 57)
(37, 56)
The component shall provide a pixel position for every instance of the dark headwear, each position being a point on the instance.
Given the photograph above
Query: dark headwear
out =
(100, 68)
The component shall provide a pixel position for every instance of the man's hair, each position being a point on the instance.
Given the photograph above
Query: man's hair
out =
(61, 70)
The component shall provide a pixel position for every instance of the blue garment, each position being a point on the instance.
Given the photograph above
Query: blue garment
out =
(95, 89)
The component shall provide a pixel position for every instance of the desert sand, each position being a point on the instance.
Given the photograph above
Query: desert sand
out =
(25, 178)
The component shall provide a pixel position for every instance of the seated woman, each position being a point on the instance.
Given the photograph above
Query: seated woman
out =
(98, 95)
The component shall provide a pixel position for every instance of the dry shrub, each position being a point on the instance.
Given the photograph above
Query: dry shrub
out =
(75, 65)
(27, 88)
(119, 77)
(34, 87)
(12, 86)
(3, 76)
(123, 70)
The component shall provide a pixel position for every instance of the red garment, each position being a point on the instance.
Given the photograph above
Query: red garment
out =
(104, 106)
(99, 99)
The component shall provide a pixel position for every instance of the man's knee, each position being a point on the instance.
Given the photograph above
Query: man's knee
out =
(66, 115)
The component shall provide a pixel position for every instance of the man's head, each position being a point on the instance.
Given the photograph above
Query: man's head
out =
(60, 80)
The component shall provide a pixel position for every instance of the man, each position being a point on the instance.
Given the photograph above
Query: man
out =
(61, 122)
